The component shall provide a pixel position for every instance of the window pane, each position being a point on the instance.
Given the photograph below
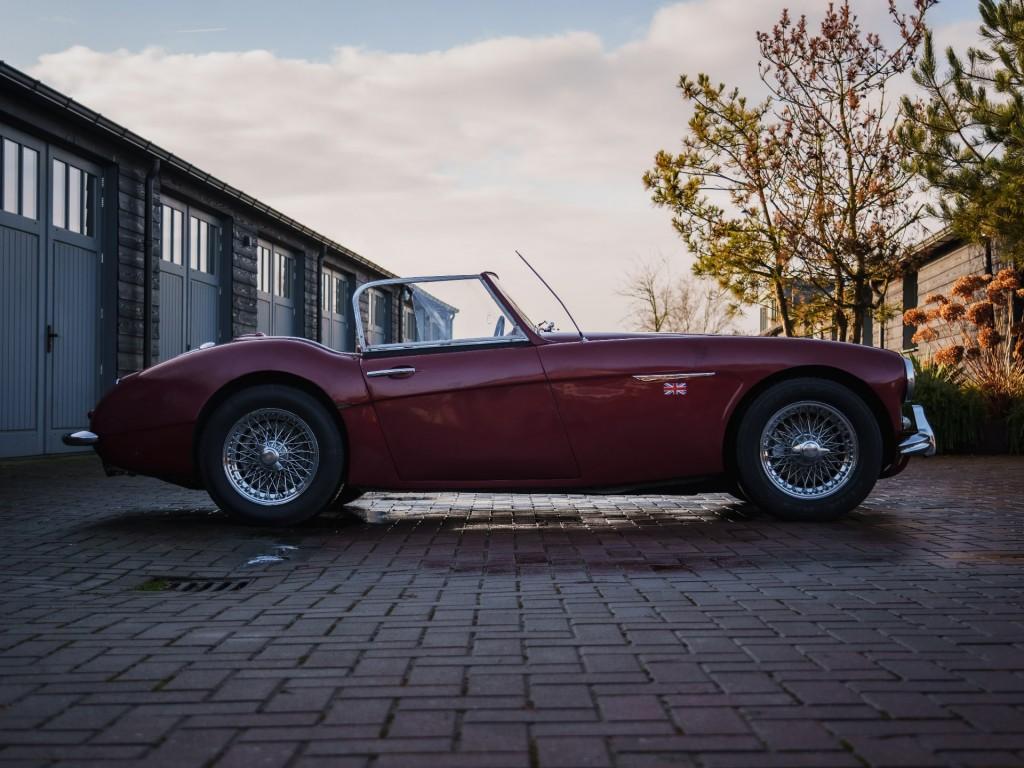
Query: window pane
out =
(340, 295)
(10, 177)
(29, 182)
(263, 269)
(177, 236)
(74, 199)
(193, 242)
(89, 214)
(282, 276)
(213, 252)
(204, 246)
(165, 233)
(325, 291)
(60, 179)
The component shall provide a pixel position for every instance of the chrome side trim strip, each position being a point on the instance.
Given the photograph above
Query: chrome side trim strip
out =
(672, 376)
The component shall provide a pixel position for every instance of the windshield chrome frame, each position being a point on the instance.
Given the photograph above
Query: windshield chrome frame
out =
(450, 343)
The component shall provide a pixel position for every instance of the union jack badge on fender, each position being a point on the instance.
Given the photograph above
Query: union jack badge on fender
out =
(675, 388)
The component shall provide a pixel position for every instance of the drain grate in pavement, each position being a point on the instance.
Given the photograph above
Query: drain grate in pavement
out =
(173, 584)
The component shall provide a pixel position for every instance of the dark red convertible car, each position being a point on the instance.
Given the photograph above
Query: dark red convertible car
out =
(477, 397)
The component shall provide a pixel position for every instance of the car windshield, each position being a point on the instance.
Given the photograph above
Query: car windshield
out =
(450, 311)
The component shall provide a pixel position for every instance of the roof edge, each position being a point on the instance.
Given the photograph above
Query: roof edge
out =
(121, 133)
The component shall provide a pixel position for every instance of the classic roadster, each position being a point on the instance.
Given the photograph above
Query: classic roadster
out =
(475, 396)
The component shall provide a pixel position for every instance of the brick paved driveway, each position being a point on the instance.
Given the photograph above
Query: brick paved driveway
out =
(462, 630)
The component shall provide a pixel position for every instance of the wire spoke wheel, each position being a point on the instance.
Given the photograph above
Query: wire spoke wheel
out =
(270, 456)
(809, 450)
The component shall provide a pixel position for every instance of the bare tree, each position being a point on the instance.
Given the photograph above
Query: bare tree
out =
(661, 302)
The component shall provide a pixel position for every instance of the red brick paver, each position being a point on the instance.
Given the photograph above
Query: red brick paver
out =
(474, 630)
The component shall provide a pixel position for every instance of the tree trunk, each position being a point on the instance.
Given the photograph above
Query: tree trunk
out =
(783, 304)
(858, 312)
(839, 320)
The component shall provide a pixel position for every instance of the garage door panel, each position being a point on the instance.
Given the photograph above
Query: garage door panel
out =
(284, 319)
(203, 301)
(76, 273)
(172, 312)
(20, 339)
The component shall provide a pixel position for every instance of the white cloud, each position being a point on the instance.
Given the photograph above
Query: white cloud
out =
(448, 160)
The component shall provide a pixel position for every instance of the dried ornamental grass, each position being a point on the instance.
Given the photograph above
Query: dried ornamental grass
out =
(952, 311)
(981, 313)
(989, 352)
(949, 356)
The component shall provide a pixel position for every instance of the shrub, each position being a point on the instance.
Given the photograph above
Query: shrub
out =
(956, 410)
(987, 347)
(1015, 426)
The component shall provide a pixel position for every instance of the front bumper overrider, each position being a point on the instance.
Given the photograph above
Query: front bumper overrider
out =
(922, 441)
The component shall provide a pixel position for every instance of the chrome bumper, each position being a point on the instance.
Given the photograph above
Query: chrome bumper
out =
(83, 437)
(922, 442)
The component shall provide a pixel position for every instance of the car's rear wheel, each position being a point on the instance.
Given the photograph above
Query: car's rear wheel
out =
(808, 449)
(271, 455)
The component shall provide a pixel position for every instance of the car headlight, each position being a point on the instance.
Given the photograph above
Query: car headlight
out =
(911, 378)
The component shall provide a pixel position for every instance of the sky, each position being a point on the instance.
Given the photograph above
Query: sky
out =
(431, 137)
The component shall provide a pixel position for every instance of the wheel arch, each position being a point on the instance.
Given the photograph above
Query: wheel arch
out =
(839, 376)
(259, 378)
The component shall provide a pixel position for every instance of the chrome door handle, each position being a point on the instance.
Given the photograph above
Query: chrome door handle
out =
(396, 373)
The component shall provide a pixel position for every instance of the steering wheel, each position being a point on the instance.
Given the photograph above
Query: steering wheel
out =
(499, 327)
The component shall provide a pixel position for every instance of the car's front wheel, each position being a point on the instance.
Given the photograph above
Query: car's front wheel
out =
(271, 455)
(808, 449)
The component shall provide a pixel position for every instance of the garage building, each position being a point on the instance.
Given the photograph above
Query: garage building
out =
(116, 255)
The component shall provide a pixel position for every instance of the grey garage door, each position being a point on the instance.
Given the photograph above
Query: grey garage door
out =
(335, 307)
(190, 268)
(50, 261)
(275, 290)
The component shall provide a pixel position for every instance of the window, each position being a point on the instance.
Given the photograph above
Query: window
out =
(171, 235)
(377, 311)
(408, 324)
(334, 293)
(19, 179)
(442, 312)
(263, 271)
(202, 243)
(340, 296)
(274, 270)
(74, 199)
(282, 274)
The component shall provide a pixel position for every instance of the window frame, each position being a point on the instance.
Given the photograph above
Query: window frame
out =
(86, 217)
(21, 150)
(270, 273)
(188, 212)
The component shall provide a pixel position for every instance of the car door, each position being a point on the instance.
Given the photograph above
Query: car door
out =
(461, 408)
(641, 410)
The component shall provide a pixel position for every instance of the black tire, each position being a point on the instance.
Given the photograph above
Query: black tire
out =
(315, 428)
(854, 479)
